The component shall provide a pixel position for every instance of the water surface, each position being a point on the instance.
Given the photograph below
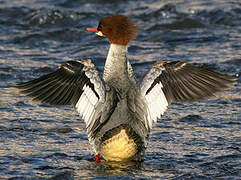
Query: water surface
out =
(198, 140)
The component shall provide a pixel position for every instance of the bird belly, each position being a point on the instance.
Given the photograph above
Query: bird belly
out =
(119, 147)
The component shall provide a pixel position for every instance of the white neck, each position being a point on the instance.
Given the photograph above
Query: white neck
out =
(116, 72)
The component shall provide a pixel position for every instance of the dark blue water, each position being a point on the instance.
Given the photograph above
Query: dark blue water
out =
(200, 140)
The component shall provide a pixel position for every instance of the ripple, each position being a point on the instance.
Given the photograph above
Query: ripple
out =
(221, 17)
(44, 70)
(46, 18)
(192, 141)
(66, 175)
(57, 155)
(186, 23)
(191, 118)
(14, 15)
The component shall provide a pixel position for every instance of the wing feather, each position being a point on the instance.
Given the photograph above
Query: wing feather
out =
(168, 82)
(76, 82)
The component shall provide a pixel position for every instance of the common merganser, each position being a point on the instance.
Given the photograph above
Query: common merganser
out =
(119, 112)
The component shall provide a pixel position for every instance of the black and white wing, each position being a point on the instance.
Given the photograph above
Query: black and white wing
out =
(168, 82)
(76, 82)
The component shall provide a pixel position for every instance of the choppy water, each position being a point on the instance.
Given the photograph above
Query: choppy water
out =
(201, 140)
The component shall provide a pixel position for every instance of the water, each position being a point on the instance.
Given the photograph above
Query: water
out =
(198, 140)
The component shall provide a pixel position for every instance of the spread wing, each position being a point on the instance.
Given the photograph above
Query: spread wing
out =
(168, 82)
(76, 82)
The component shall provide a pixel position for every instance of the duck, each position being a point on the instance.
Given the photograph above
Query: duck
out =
(119, 111)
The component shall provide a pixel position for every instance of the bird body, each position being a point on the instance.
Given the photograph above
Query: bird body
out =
(123, 135)
(119, 112)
